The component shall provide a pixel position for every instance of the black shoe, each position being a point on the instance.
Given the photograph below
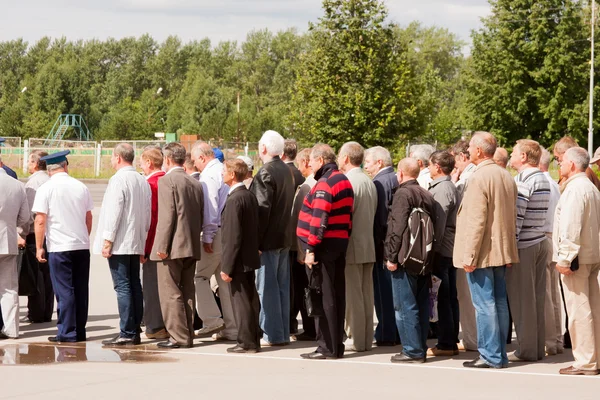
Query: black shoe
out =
(316, 356)
(403, 358)
(303, 337)
(240, 350)
(53, 339)
(118, 341)
(3, 336)
(170, 345)
(382, 344)
(137, 339)
(478, 363)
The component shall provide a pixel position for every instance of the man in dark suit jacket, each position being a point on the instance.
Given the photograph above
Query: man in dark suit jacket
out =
(177, 245)
(378, 164)
(273, 187)
(240, 258)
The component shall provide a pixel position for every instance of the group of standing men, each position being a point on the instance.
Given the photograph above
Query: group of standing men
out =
(327, 223)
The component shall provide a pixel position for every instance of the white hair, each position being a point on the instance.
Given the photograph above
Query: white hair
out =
(379, 153)
(421, 152)
(273, 142)
(579, 156)
(57, 166)
(545, 159)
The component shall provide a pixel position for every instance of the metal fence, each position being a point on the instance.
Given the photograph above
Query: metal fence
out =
(92, 159)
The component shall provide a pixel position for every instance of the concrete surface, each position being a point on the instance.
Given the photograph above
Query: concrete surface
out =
(33, 368)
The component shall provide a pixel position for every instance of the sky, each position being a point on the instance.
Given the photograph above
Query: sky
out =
(197, 19)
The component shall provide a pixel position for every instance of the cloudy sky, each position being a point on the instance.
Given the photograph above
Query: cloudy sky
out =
(197, 19)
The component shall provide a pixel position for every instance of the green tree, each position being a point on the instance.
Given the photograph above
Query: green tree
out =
(354, 82)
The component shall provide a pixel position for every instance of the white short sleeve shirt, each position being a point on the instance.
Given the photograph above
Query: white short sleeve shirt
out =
(66, 202)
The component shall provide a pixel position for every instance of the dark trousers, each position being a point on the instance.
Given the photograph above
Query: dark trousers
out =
(125, 272)
(386, 331)
(177, 294)
(41, 305)
(448, 313)
(70, 274)
(246, 309)
(299, 281)
(411, 303)
(330, 276)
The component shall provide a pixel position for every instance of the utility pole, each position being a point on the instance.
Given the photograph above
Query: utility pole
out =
(591, 122)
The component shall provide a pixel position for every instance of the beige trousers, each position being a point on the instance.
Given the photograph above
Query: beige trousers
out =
(360, 305)
(9, 295)
(468, 324)
(582, 297)
(553, 309)
(208, 311)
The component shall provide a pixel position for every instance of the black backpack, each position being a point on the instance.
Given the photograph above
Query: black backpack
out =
(416, 252)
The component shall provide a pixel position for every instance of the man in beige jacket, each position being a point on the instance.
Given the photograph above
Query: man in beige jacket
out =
(576, 245)
(360, 255)
(485, 245)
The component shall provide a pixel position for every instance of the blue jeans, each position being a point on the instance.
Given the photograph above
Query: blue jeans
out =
(488, 291)
(386, 330)
(411, 305)
(125, 271)
(273, 286)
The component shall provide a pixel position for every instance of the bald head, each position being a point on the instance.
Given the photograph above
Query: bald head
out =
(408, 168)
(501, 157)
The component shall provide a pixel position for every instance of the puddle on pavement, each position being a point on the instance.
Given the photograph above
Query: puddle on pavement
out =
(48, 353)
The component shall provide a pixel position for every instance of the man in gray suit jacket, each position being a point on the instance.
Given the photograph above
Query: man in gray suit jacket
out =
(177, 244)
(360, 255)
(14, 213)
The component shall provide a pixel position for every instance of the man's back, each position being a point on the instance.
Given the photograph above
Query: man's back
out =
(273, 187)
(361, 247)
(385, 182)
(14, 212)
(66, 202)
(180, 210)
(486, 219)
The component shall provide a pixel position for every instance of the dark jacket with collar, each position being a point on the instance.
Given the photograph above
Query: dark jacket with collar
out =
(385, 182)
(273, 187)
(408, 195)
(240, 233)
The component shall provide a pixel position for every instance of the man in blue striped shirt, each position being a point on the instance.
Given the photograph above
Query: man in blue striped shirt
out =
(526, 280)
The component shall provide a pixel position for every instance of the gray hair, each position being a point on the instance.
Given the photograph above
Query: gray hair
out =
(175, 152)
(203, 149)
(355, 153)
(125, 151)
(421, 152)
(273, 142)
(579, 156)
(290, 149)
(545, 159)
(324, 151)
(486, 142)
(380, 153)
(57, 166)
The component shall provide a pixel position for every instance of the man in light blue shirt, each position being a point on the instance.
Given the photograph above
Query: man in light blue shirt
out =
(121, 238)
(215, 195)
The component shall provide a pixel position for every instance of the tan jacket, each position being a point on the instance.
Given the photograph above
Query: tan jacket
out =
(576, 222)
(486, 221)
(361, 247)
(180, 211)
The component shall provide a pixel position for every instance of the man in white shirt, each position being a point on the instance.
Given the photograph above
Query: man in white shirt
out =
(215, 195)
(553, 305)
(14, 213)
(121, 238)
(63, 208)
(421, 153)
(576, 240)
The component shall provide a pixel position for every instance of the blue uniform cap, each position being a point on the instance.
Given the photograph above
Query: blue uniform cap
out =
(56, 158)
(219, 154)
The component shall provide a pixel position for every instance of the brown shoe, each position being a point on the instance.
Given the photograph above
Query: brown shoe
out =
(162, 334)
(434, 351)
(574, 371)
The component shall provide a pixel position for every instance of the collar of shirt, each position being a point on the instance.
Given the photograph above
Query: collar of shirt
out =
(38, 173)
(174, 168)
(383, 169)
(2, 171)
(59, 175)
(152, 174)
(439, 180)
(525, 173)
(576, 176)
(126, 169)
(424, 171)
(211, 163)
(237, 185)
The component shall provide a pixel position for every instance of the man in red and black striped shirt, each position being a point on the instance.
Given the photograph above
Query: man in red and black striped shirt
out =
(324, 227)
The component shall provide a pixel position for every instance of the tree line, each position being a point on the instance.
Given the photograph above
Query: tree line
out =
(355, 75)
